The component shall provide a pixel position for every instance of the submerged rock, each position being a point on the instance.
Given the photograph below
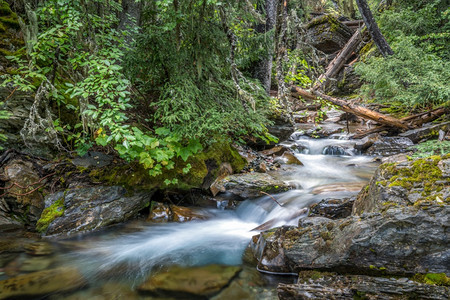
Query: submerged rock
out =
(41, 283)
(251, 185)
(185, 282)
(85, 209)
(161, 212)
(327, 286)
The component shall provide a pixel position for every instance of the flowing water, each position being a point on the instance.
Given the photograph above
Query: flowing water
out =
(132, 251)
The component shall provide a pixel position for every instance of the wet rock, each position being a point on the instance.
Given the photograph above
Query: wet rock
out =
(245, 286)
(339, 187)
(291, 159)
(332, 208)
(385, 146)
(85, 209)
(93, 159)
(41, 283)
(224, 170)
(319, 286)
(334, 150)
(250, 185)
(281, 129)
(275, 151)
(370, 243)
(161, 212)
(34, 264)
(185, 282)
(39, 248)
(426, 132)
(365, 143)
(327, 34)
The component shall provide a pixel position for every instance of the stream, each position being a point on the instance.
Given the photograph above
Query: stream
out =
(126, 254)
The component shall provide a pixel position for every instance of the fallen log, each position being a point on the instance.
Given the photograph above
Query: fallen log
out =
(338, 62)
(414, 121)
(354, 109)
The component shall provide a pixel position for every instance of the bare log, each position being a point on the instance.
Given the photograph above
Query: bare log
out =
(355, 109)
(414, 121)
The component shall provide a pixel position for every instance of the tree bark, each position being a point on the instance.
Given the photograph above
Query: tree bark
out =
(130, 15)
(281, 52)
(338, 62)
(263, 69)
(374, 31)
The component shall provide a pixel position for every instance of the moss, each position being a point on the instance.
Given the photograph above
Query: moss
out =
(5, 10)
(10, 21)
(134, 176)
(2, 28)
(423, 173)
(49, 214)
(433, 278)
(306, 276)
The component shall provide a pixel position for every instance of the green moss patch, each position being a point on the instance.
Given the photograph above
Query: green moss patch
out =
(433, 278)
(134, 176)
(421, 173)
(49, 214)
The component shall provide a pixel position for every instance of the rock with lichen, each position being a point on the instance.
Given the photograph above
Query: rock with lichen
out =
(399, 226)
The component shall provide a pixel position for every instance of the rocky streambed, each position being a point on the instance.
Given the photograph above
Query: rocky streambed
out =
(307, 220)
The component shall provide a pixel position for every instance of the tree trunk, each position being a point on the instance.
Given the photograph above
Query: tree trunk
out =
(355, 109)
(281, 52)
(338, 62)
(130, 15)
(372, 26)
(263, 69)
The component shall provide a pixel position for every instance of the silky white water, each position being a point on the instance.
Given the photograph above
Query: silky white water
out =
(136, 251)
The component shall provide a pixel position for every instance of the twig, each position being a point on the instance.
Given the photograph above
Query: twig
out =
(272, 198)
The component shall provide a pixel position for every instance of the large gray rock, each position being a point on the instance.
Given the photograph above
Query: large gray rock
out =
(385, 146)
(394, 229)
(252, 185)
(328, 286)
(399, 241)
(85, 209)
(327, 34)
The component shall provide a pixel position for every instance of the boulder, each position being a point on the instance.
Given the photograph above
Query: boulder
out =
(327, 34)
(186, 282)
(41, 283)
(385, 146)
(250, 185)
(398, 225)
(85, 209)
(331, 286)
(399, 241)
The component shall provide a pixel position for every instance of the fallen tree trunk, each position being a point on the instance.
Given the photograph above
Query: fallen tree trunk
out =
(338, 62)
(414, 121)
(354, 109)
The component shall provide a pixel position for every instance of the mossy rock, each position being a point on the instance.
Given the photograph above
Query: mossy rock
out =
(205, 164)
(50, 214)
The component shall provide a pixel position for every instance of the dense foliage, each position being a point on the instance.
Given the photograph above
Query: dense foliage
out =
(417, 75)
(152, 95)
